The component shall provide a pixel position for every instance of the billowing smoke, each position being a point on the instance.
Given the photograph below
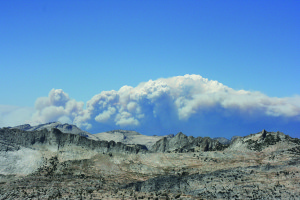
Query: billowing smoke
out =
(57, 107)
(191, 104)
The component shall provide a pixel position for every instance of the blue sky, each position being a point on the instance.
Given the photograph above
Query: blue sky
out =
(86, 47)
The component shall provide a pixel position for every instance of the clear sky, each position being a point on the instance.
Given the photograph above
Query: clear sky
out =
(86, 47)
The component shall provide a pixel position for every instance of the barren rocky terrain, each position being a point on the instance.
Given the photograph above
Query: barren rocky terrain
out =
(51, 164)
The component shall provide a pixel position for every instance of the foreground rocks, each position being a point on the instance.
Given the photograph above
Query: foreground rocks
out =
(241, 183)
(86, 179)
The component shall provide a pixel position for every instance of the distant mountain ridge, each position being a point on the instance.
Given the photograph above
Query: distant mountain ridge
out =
(65, 128)
(124, 136)
(170, 143)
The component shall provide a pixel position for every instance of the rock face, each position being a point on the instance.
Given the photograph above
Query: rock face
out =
(181, 143)
(130, 137)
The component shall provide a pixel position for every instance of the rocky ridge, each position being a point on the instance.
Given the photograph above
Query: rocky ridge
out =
(181, 143)
(65, 128)
(263, 140)
(222, 140)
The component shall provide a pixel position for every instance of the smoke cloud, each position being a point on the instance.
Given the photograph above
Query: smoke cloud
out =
(190, 103)
(57, 107)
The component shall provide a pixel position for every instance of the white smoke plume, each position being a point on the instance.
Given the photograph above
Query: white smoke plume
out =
(57, 107)
(187, 103)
